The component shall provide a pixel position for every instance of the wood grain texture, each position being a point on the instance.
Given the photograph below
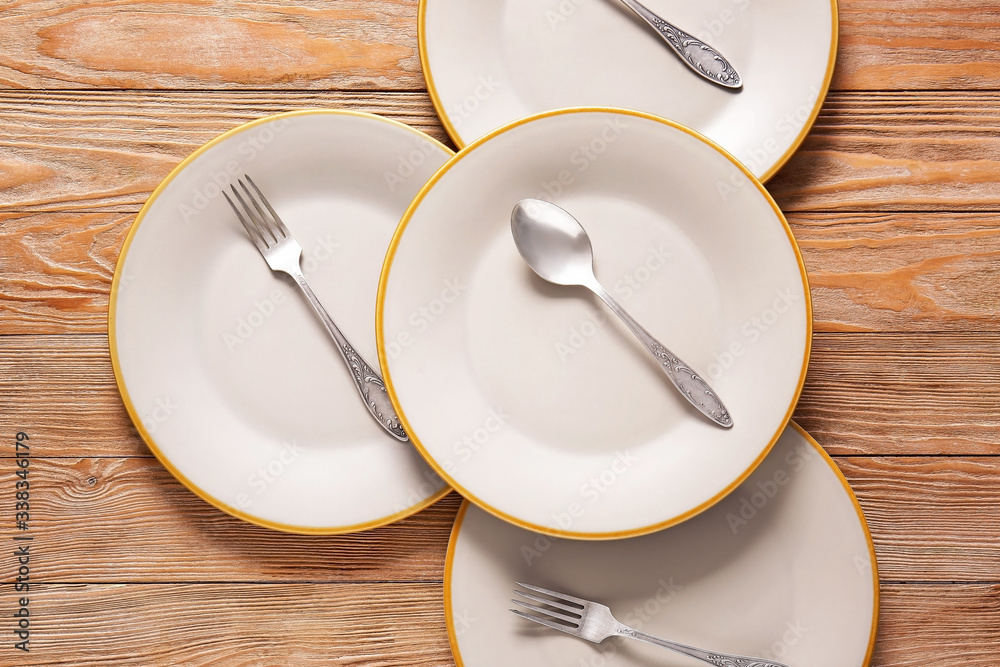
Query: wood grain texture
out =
(195, 44)
(915, 44)
(918, 44)
(865, 394)
(892, 272)
(126, 520)
(897, 151)
(399, 625)
(99, 150)
(893, 151)
(251, 624)
(903, 394)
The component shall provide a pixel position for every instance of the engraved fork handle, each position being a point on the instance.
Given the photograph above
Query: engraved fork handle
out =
(698, 55)
(711, 657)
(369, 383)
(689, 383)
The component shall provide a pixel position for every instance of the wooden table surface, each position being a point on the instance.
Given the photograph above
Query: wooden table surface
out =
(894, 198)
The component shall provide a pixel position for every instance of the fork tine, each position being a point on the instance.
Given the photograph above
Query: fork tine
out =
(569, 599)
(247, 225)
(258, 225)
(260, 218)
(274, 214)
(551, 603)
(545, 622)
(551, 613)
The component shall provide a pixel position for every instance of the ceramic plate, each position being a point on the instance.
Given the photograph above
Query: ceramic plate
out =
(784, 568)
(526, 397)
(226, 372)
(490, 62)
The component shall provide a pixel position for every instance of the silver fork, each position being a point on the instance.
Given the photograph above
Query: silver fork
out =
(283, 253)
(595, 623)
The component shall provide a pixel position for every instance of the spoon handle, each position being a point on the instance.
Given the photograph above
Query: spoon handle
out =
(695, 53)
(689, 383)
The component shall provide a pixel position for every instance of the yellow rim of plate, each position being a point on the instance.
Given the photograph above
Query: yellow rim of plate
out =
(113, 343)
(387, 376)
(453, 131)
(460, 518)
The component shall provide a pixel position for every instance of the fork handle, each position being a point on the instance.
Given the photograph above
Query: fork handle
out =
(369, 383)
(711, 657)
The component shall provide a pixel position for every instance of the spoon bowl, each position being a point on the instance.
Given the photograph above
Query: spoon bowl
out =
(553, 243)
(556, 247)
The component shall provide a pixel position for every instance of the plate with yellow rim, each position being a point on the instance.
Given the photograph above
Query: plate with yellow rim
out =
(782, 569)
(531, 402)
(490, 62)
(225, 371)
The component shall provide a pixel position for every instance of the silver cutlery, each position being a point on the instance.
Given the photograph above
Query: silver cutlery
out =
(696, 54)
(595, 623)
(283, 254)
(557, 248)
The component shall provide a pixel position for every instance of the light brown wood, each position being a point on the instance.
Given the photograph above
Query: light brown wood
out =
(243, 624)
(922, 625)
(933, 519)
(144, 44)
(892, 272)
(312, 44)
(868, 152)
(865, 394)
(894, 198)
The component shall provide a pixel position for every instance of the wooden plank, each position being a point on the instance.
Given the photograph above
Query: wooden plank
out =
(378, 625)
(902, 271)
(300, 44)
(866, 394)
(382, 625)
(904, 394)
(868, 152)
(72, 151)
(146, 44)
(918, 44)
(122, 520)
(868, 272)
(938, 626)
(897, 151)
(126, 520)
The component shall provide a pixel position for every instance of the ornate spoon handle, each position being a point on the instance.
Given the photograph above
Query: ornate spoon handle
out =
(689, 383)
(369, 383)
(698, 55)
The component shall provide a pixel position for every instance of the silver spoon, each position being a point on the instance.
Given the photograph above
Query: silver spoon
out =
(557, 248)
(695, 53)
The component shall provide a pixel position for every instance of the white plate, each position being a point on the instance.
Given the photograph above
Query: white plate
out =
(784, 568)
(226, 372)
(490, 62)
(525, 397)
